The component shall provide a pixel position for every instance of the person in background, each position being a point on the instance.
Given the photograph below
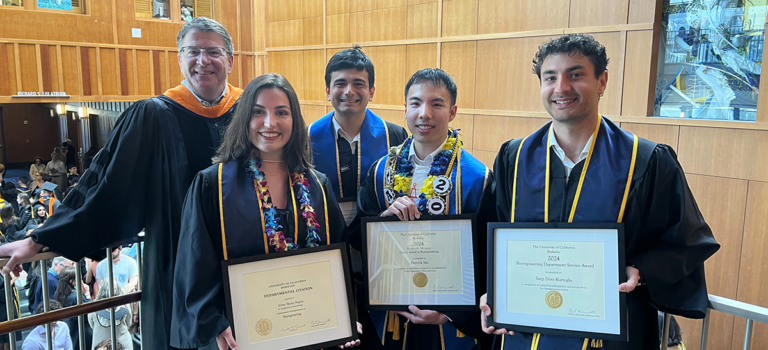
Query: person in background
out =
(36, 167)
(25, 209)
(49, 198)
(107, 345)
(66, 295)
(59, 263)
(37, 184)
(22, 185)
(4, 338)
(36, 339)
(124, 270)
(70, 153)
(99, 320)
(10, 228)
(55, 168)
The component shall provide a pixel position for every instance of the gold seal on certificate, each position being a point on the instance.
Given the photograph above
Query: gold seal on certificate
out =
(554, 299)
(427, 262)
(291, 300)
(420, 280)
(264, 326)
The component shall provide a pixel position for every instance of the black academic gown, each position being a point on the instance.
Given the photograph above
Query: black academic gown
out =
(138, 181)
(199, 310)
(430, 337)
(666, 238)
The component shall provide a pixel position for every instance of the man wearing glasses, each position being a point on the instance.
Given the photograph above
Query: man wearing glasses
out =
(139, 179)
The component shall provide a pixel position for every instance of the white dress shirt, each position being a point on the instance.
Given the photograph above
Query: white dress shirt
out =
(343, 134)
(567, 163)
(421, 169)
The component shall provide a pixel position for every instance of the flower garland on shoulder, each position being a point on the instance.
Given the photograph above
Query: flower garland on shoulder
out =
(442, 165)
(275, 236)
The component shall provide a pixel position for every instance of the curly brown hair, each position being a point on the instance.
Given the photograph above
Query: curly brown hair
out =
(583, 44)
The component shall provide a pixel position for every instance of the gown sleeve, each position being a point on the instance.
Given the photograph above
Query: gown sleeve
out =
(111, 195)
(672, 240)
(198, 289)
(336, 222)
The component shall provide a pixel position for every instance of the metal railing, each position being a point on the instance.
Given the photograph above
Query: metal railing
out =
(752, 313)
(11, 326)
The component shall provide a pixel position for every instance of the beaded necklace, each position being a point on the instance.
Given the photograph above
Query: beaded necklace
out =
(434, 192)
(272, 226)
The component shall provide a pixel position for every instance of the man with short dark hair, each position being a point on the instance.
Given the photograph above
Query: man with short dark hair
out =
(36, 340)
(429, 174)
(620, 178)
(166, 140)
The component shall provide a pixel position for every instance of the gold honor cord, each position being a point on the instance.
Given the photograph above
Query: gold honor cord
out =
(458, 186)
(263, 226)
(221, 215)
(535, 341)
(514, 183)
(295, 212)
(583, 172)
(546, 176)
(325, 205)
(629, 178)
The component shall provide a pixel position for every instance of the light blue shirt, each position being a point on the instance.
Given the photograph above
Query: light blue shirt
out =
(36, 339)
(205, 103)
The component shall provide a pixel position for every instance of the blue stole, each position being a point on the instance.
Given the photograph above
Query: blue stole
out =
(242, 222)
(473, 175)
(373, 142)
(605, 182)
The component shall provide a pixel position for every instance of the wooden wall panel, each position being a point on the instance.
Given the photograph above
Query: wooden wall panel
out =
(504, 69)
(285, 33)
(466, 125)
(491, 131)
(382, 4)
(723, 203)
(144, 73)
(501, 16)
(314, 75)
(28, 66)
(419, 57)
(7, 87)
(291, 65)
(421, 21)
(610, 103)
(666, 134)
(335, 7)
(70, 70)
(390, 82)
(281, 10)
(259, 25)
(313, 30)
(249, 69)
(361, 5)
(246, 25)
(235, 75)
(23, 142)
(360, 28)
(337, 28)
(754, 263)
(459, 17)
(642, 11)
(378, 25)
(312, 8)
(727, 153)
(637, 71)
(127, 68)
(590, 13)
(174, 69)
(311, 113)
(458, 59)
(49, 63)
(90, 76)
(109, 74)
(160, 71)
(392, 116)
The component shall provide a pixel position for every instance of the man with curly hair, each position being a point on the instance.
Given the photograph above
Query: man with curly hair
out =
(620, 178)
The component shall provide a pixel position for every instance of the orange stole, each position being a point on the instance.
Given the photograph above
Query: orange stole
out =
(184, 97)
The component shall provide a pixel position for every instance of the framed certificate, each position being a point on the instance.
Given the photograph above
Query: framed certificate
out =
(301, 299)
(558, 278)
(427, 262)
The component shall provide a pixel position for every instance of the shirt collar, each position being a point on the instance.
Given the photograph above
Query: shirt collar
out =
(203, 102)
(341, 133)
(428, 159)
(561, 153)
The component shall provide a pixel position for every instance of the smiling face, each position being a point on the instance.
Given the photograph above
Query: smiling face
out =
(348, 91)
(428, 112)
(569, 90)
(271, 123)
(206, 76)
(40, 211)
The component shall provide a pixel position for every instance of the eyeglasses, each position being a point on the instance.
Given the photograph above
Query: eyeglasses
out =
(194, 51)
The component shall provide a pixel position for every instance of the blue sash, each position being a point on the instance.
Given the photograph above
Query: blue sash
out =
(373, 142)
(242, 222)
(602, 193)
(473, 177)
(601, 198)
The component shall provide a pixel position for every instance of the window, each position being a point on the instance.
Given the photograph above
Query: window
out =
(19, 3)
(710, 59)
(196, 8)
(63, 5)
(158, 9)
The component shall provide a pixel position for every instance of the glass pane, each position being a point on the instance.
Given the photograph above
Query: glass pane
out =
(187, 10)
(160, 9)
(710, 59)
(64, 5)
(12, 2)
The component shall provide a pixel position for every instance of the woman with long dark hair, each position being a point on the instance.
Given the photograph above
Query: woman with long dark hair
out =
(25, 208)
(263, 165)
(66, 295)
(10, 226)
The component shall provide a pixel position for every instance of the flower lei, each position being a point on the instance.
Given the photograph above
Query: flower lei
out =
(441, 165)
(272, 227)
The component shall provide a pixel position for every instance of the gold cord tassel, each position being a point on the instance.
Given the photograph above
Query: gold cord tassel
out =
(394, 325)
(459, 334)
(597, 343)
